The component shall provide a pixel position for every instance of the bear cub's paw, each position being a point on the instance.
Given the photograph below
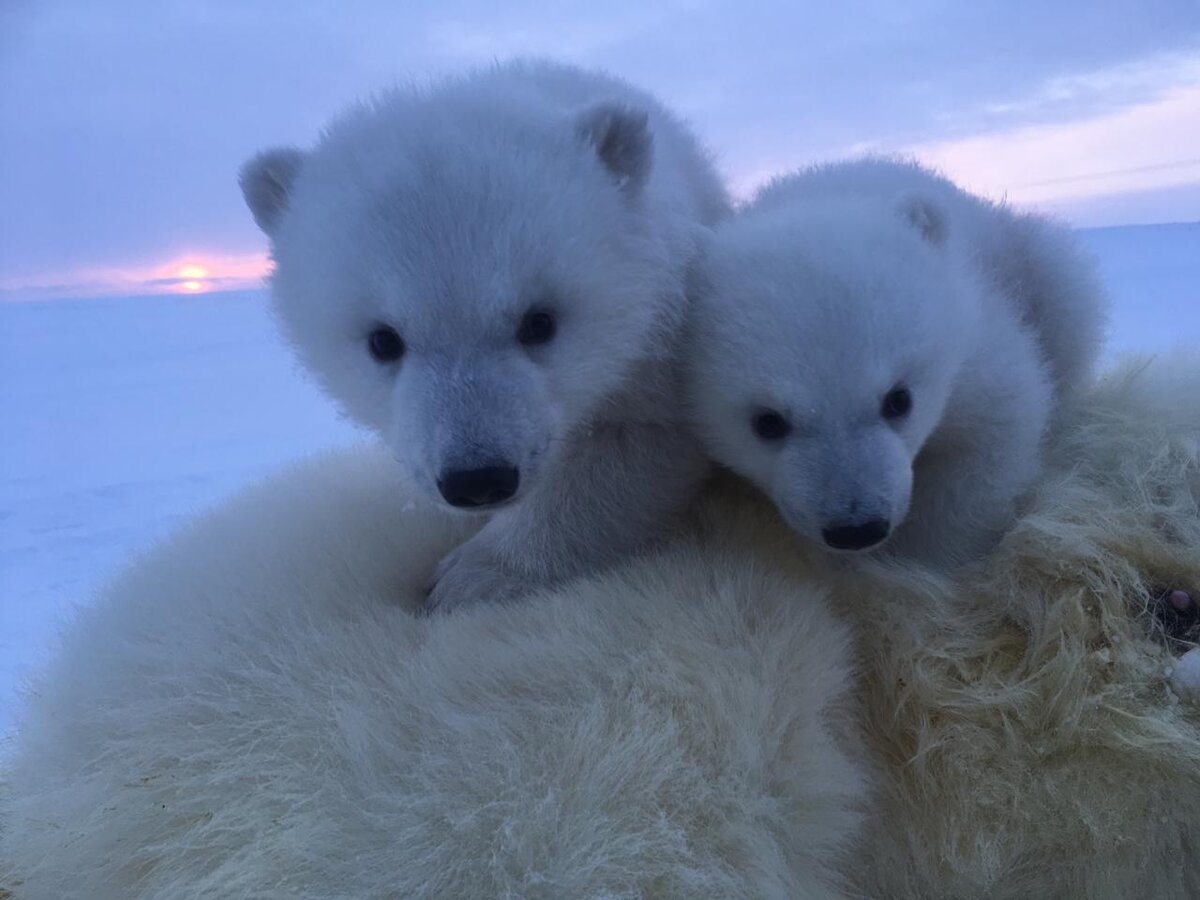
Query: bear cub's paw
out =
(473, 573)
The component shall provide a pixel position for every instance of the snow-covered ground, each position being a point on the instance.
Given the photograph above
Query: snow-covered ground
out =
(122, 417)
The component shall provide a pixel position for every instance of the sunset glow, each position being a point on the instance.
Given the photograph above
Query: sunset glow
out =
(1100, 129)
(1040, 165)
(196, 273)
(193, 273)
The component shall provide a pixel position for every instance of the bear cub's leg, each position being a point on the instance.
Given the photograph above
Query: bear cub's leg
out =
(617, 490)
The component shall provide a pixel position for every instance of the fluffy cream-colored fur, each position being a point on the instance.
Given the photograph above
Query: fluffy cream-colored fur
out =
(1029, 746)
(251, 711)
(1025, 740)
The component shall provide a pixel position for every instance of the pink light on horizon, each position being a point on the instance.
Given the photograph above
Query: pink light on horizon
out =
(1143, 147)
(1064, 164)
(194, 273)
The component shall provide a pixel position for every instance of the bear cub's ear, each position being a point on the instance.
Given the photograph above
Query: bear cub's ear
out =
(621, 137)
(925, 215)
(266, 182)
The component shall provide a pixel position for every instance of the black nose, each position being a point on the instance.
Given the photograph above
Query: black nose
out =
(469, 488)
(857, 537)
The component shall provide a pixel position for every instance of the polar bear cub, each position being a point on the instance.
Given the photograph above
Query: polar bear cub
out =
(880, 352)
(490, 273)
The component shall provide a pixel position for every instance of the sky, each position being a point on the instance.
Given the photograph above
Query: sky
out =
(123, 124)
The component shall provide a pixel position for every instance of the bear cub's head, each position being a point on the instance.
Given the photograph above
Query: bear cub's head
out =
(468, 276)
(825, 343)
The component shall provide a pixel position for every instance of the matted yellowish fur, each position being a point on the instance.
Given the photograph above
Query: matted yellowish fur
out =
(1025, 741)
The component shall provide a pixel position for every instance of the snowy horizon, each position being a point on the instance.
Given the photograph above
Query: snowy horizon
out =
(189, 282)
(125, 123)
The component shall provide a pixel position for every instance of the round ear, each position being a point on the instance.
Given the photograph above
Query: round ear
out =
(925, 215)
(266, 182)
(621, 138)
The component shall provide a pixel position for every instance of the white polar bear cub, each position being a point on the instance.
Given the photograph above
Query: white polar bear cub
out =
(880, 352)
(491, 273)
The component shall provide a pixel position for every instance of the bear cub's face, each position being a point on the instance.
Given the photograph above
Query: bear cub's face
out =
(472, 295)
(824, 347)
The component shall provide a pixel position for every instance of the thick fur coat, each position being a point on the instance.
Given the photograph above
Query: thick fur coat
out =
(255, 710)
(881, 352)
(252, 710)
(490, 273)
(1028, 742)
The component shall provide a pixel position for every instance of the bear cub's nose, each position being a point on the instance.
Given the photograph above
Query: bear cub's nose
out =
(857, 537)
(472, 488)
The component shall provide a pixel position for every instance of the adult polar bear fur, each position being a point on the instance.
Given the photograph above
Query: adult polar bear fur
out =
(251, 710)
(1029, 744)
(881, 352)
(490, 273)
(256, 710)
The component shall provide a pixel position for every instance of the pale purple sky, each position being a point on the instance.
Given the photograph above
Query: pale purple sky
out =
(122, 124)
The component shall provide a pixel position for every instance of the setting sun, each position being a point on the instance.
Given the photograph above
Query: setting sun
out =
(193, 273)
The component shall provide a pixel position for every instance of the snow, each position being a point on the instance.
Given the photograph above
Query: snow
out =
(125, 416)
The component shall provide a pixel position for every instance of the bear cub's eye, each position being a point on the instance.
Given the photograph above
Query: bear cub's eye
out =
(385, 344)
(896, 403)
(537, 327)
(770, 425)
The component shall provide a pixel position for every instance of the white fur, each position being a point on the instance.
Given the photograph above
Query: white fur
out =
(447, 214)
(255, 711)
(836, 285)
(1185, 676)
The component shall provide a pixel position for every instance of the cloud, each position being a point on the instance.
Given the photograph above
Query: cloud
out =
(1080, 94)
(1155, 144)
(1125, 129)
(125, 123)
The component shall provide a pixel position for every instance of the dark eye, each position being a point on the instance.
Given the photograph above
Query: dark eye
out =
(896, 403)
(770, 425)
(537, 327)
(385, 344)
